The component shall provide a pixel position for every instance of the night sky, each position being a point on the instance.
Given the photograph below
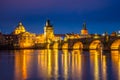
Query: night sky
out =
(66, 15)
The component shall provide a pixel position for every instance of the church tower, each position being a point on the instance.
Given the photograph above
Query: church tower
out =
(84, 30)
(48, 32)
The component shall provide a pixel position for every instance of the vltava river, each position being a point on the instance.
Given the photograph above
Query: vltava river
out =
(59, 65)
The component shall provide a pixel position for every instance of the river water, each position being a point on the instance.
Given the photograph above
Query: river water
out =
(59, 65)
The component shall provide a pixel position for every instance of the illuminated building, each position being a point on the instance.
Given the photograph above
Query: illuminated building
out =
(48, 32)
(47, 37)
(39, 39)
(26, 40)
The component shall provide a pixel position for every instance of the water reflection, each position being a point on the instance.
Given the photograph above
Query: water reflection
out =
(95, 63)
(60, 65)
(104, 67)
(115, 57)
(22, 63)
(76, 65)
(65, 64)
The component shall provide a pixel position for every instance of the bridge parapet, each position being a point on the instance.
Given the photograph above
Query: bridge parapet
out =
(104, 43)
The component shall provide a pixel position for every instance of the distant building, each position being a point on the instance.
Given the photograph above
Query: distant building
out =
(84, 30)
(8, 40)
(113, 34)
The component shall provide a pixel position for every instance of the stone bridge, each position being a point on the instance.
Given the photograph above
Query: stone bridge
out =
(104, 43)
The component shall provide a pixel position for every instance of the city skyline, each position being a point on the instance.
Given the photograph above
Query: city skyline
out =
(66, 16)
(42, 30)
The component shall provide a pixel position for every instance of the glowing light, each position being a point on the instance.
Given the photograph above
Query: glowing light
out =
(116, 45)
(96, 36)
(95, 63)
(78, 45)
(65, 46)
(95, 45)
(65, 63)
(56, 45)
(56, 65)
(104, 68)
(49, 64)
(115, 57)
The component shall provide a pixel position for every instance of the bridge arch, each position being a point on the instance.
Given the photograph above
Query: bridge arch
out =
(55, 45)
(96, 45)
(65, 46)
(76, 51)
(115, 45)
(78, 45)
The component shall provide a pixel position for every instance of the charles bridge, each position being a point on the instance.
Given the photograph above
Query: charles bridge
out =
(104, 43)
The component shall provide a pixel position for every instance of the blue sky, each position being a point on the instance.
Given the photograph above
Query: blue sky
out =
(66, 15)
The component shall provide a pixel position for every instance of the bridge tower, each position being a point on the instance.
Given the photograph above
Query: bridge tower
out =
(48, 32)
(84, 30)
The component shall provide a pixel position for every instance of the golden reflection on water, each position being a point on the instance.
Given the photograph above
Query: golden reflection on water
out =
(115, 55)
(65, 63)
(104, 68)
(48, 64)
(94, 62)
(21, 63)
(41, 63)
(76, 65)
(56, 65)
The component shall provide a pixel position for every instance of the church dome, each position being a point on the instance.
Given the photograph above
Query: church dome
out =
(19, 29)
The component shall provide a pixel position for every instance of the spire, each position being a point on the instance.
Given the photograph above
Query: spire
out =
(84, 26)
(48, 23)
